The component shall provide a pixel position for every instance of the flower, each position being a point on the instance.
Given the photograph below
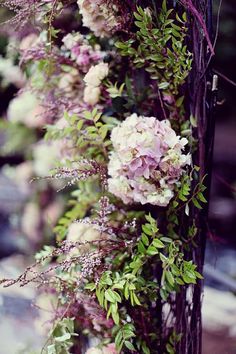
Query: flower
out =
(72, 39)
(96, 74)
(11, 73)
(93, 80)
(110, 349)
(147, 161)
(26, 109)
(81, 51)
(97, 16)
(91, 95)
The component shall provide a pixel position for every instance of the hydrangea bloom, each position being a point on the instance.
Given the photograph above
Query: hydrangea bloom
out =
(98, 16)
(147, 161)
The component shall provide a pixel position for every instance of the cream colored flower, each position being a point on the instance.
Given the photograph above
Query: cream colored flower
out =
(91, 95)
(96, 74)
(93, 80)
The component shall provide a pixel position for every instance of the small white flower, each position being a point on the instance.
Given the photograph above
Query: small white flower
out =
(72, 39)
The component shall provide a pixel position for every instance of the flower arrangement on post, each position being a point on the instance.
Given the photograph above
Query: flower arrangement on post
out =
(114, 92)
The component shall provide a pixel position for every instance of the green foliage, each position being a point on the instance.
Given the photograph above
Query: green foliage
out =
(88, 133)
(159, 46)
(62, 337)
(82, 199)
(17, 138)
(123, 336)
(44, 253)
(173, 340)
(116, 288)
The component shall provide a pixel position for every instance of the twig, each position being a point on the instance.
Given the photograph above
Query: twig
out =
(225, 78)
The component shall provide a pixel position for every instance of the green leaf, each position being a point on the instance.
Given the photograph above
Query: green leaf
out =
(196, 203)
(163, 85)
(80, 124)
(193, 121)
(152, 251)
(141, 247)
(201, 197)
(63, 338)
(145, 240)
(112, 296)
(129, 345)
(179, 101)
(158, 243)
(147, 229)
(136, 300)
(116, 317)
(170, 278)
(145, 349)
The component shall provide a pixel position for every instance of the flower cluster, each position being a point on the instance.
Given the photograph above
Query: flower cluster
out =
(98, 16)
(93, 80)
(81, 51)
(147, 161)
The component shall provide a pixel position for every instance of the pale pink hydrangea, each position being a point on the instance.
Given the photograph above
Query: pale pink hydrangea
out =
(147, 161)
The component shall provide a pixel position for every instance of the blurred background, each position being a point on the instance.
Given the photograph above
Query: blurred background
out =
(24, 228)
